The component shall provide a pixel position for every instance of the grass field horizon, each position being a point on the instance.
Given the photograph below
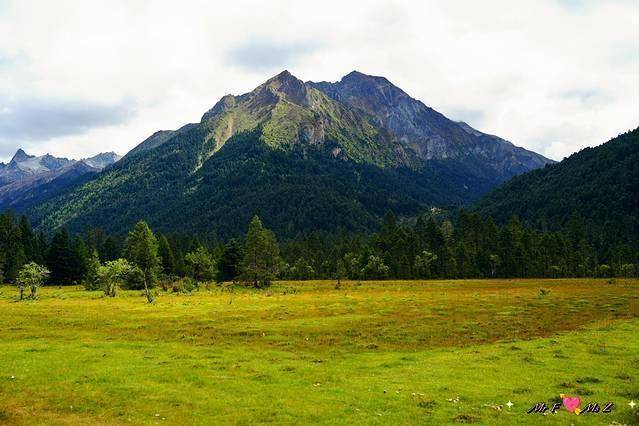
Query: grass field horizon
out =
(371, 352)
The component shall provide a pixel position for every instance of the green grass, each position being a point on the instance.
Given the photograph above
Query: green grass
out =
(435, 352)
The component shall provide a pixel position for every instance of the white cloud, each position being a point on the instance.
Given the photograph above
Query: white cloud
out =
(551, 75)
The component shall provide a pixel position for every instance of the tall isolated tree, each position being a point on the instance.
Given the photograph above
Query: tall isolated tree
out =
(262, 259)
(31, 275)
(141, 249)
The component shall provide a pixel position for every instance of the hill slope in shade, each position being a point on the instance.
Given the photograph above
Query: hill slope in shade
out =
(298, 155)
(600, 184)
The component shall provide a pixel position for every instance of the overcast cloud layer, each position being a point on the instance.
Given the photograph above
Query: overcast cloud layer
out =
(77, 78)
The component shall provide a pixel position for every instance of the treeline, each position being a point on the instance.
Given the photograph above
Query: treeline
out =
(433, 246)
(466, 246)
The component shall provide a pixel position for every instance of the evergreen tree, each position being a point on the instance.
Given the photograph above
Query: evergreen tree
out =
(61, 260)
(42, 248)
(166, 255)
(261, 255)
(80, 258)
(29, 243)
(141, 249)
(230, 261)
(12, 253)
(110, 247)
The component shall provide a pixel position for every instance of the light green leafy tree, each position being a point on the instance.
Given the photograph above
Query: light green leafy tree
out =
(375, 268)
(494, 261)
(93, 265)
(112, 275)
(201, 263)
(340, 271)
(32, 276)
(423, 262)
(352, 265)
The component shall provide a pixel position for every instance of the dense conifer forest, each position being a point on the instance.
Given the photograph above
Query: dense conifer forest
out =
(436, 245)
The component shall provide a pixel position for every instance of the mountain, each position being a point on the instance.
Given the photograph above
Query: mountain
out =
(304, 156)
(23, 165)
(27, 179)
(601, 185)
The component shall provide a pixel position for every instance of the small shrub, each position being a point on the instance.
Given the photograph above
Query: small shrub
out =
(581, 391)
(427, 404)
(543, 292)
(465, 418)
(184, 285)
(588, 379)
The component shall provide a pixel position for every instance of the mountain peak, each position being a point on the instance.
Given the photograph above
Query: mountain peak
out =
(281, 86)
(101, 160)
(360, 76)
(287, 85)
(20, 156)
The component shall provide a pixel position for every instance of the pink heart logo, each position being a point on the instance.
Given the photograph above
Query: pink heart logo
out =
(571, 403)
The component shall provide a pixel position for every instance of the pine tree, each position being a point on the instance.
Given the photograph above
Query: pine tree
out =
(80, 258)
(261, 255)
(166, 255)
(11, 249)
(61, 261)
(229, 266)
(110, 248)
(141, 249)
(29, 243)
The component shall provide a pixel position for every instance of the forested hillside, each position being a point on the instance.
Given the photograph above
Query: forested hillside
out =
(599, 184)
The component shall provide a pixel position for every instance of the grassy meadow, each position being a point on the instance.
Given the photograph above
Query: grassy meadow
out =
(393, 352)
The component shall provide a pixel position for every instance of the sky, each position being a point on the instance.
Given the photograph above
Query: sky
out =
(82, 77)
